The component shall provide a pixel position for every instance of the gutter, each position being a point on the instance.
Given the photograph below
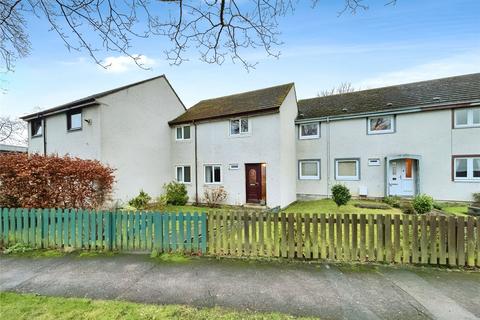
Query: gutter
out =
(58, 110)
(431, 107)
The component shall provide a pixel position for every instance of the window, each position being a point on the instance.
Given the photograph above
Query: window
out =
(233, 166)
(74, 120)
(347, 169)
(378, 125)
(239, 126)
(310, 130)
(183, 133)
(309, 169)
(213, 173)
(374, 162)
(466, 168)
(466, 118)
(36, 127)
(183, 174)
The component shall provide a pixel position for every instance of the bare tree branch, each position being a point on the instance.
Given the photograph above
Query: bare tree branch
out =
(13, 131)
(343, 87)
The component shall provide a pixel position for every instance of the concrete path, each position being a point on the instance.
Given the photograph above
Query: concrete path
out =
(326, 291)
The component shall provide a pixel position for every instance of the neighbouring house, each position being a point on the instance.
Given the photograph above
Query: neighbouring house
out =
(126, 128)
(265, 147)
(7, 148)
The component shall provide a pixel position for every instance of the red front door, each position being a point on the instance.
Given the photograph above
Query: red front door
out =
(253, 175)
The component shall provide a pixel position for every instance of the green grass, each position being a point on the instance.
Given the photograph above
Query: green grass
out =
(328, 206)
(457, 210)
(27, 306)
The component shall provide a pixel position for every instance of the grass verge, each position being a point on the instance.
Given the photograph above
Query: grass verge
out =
(15, 306)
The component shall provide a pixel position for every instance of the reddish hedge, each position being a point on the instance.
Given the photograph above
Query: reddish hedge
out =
(35, 181)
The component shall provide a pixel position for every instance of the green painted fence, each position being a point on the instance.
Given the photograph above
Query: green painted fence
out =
(105, 230)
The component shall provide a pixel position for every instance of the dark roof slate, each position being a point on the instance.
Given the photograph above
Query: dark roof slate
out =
(425, 93)
(258, 101)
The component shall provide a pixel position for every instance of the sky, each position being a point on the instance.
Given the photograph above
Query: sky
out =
(384, 45)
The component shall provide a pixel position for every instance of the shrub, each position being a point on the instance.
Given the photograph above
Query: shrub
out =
(141, 201)
(438, 205)
(340, 194)
(476, 198)
(422, 203)
(392, 201)
(176, 193)
(35, 181)
(214, 196)
(407, 208)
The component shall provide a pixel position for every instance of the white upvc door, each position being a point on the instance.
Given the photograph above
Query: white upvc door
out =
(402, 178)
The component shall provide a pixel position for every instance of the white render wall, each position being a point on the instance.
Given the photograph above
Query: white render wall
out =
(271, 141)
(428, 134)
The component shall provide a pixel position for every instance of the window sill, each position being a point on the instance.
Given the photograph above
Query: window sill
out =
(467, 126)
(36, 136)
(74, 129)
(307, 178)
(213, 183)
(374, 133)
(467, 180)
(182, 140)
(308, 137)
(346, 179)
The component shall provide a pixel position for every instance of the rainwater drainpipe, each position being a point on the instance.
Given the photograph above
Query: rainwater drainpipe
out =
(328, 157)
(196, 165)
(44, 129)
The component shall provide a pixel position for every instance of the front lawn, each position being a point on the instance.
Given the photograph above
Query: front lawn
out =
(458, 210)
(328, 206)
(15, 306)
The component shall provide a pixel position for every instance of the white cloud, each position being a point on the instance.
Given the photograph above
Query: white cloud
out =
(124, 63)
(451, 66)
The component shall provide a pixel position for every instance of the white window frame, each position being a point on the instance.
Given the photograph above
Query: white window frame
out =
(182, 128)
(304, 177)
(348, 178)
(234, 166)
(213, 171)
(31, 127)
(391, 130)
(315, 136)
(374, 162)
(469, 176)
(69, 119)
(240, 132)
(470, 123)
(183, 174)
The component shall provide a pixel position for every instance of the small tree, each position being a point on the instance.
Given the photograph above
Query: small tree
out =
(214, 196)
(141, 201)
(422, 203)
(340, 194)
(176, 193)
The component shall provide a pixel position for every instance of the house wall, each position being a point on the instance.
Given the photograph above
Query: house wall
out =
(84, 143)
(428, 134)
(136, 136)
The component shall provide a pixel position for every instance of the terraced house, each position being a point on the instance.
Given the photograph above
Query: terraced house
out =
(266, 147)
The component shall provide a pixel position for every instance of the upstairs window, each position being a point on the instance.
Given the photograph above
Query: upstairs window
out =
(213, 173)
(310, 130)
(379, 125)
(239, 127)
(347, 169)
(467, 118)
(183, 133)
(36, 127)
(183, 174)
(74, 120)
(466, 168)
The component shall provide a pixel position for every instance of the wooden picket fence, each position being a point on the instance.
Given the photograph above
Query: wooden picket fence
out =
(104, 230)
(434, 240)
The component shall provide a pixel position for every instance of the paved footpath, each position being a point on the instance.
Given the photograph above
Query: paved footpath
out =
(323, 290)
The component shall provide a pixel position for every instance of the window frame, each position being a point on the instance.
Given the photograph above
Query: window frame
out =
(348, 178)
(469, 177)
(303, 137)
(69, 114)
(182, 128)
(304, 177)
(470, 123)
(240, 132)
(234, 166)
(31, 128)
(213, 172)
(375, 132)
(183, 174)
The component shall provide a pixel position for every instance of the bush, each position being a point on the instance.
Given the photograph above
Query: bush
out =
(340, 194)
(407, 208)
(214, 196)
(392, 201)
(176, 193)
(422, 203)
(438, 205)
(476, 198)
(141, 201)
(35, 181)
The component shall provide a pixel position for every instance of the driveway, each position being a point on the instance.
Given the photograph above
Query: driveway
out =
(324, 290)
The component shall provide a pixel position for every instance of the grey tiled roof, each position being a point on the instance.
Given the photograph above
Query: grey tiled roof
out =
(258, 101)
(438, 92)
